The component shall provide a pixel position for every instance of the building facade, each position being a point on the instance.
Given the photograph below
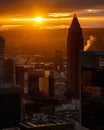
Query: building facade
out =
(58, 61)
(74, 45)
(2, 53)
(91, 71)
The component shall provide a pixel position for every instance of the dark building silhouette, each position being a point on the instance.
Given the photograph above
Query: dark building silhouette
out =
(33, 83)
(10, 104)
(40, 83)
(2, 54)
(74, 45)
(9, 71)
(58, 61)
(51, 85)
(10, 107)
(92, 89)
(2, 48)
(19, 72)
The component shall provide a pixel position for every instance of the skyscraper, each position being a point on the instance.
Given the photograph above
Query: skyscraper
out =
(74, 45)
(10, 109)
(2, 52)
(2, 47)
(9, 71)
(58, 61)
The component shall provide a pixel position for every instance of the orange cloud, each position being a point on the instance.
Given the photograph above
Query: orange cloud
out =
(53, 20)
(61, 14)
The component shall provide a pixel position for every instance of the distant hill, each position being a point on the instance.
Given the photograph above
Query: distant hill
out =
(33, 41)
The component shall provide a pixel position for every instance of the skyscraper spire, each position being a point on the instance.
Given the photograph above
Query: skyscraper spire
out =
(74, 45)
(75, 22)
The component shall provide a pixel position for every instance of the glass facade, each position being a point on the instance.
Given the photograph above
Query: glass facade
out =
(92, 97)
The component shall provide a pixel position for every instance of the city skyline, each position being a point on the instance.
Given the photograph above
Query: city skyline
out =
(52, 14)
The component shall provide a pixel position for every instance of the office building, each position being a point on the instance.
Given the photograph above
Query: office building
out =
(10, 109)
(91, 70)
(33, 82)
(2, 48)
(40, 83)
(2, 54)
(19, 72)
(74, 45)
(58, 61)
(9, 71)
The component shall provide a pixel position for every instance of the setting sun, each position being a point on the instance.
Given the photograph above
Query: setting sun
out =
(38, 19)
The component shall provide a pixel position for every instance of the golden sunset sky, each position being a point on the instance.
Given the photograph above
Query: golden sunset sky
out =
(50, 14)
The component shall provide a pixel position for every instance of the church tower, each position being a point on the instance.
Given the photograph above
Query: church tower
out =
(74, 45)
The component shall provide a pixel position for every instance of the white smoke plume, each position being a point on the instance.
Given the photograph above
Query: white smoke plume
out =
(89, 42)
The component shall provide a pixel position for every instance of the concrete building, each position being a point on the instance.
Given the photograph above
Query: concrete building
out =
(74, 45)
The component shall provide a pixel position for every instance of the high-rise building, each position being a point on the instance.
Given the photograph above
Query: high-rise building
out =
(74, 45)
(9, 71)
(58, 61)
(33, 83)
(19, 70)
(2, 52)
(40, 83)
(10, 109)
(46, 84)
(92, 89)
(2, 48)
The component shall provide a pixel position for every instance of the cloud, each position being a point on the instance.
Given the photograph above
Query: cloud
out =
(30, 7)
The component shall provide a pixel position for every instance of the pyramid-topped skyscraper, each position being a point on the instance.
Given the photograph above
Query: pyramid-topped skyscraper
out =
(74, 45)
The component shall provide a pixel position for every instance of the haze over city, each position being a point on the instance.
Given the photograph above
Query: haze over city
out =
(49, 19)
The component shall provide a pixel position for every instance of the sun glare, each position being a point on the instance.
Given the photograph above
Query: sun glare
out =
(38, 19)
